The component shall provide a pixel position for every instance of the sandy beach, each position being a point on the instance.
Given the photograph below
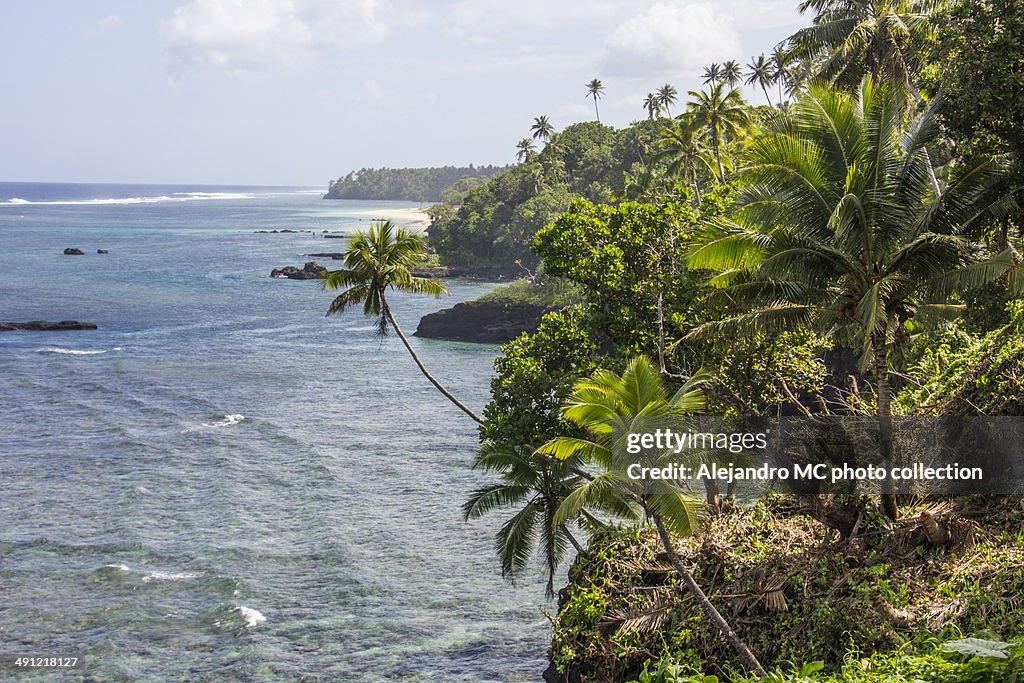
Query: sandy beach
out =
(412, 217)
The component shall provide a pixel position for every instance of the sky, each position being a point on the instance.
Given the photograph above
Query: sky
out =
(297, 92)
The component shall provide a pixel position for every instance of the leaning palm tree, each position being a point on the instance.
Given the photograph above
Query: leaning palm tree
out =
(653, 106)
(760, 72)
(667, 97)
(723, 113)
(732, 73)
(536, 485)
(681, 144)
(595, 89)
(841, 226)
(608, 407)
(525, 147)
(377, 262)
(712, 74)
(542, 128)
(853, 38)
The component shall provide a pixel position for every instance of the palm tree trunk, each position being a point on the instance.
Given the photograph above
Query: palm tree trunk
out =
(580, 550)
(408, 347)
(888, 494)
(597, 113)
(713, 614)
(765, 91)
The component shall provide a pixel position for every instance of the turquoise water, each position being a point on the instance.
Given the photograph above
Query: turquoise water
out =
(219, 483)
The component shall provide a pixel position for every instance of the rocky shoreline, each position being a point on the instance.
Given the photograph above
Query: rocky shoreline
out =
(482, 322)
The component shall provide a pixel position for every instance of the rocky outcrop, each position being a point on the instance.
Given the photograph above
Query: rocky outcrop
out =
(72, 251)
(46, 326)
(311, 271)
(483, 322)
(102, 251)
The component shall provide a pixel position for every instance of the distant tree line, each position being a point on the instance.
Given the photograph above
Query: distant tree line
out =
(409, 184)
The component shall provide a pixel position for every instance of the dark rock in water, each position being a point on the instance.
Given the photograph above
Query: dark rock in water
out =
(72, 251)
(46, 326)
(484, 322)
(102, 251)
(336, 255)
(335, 237)
(310, 271)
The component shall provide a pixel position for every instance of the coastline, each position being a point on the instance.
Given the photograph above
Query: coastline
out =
(410, 217)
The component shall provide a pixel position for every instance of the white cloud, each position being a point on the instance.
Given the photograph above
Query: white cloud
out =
(475, 20)
(108, 22)
(671, 38)
(251, 36)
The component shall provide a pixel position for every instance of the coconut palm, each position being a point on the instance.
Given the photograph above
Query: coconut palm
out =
(653, 105)
(595, 89)
(538, 484)
(377, 262)
(681, 144)
(843, 228)
(712, 74)
(780, 61)
(732, 73)
(884, 38)
(542, 128)
(607, 407)
(723, 113)
(761, 73)
(667, 97)
(526, 149)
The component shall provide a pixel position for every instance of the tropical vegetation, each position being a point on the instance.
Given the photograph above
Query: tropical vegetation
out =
(848, 247)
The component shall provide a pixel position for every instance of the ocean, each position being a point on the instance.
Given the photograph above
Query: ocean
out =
(221, 484)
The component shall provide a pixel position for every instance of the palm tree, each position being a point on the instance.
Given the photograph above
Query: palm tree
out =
(525, 147)
(884, 38)
(780, 60)
(712, 74)
(760, 72)
(667, 97)
(842, 227)
(682, 145)
(724, 115)
(542, 128)
(607, 407)
(732, 73)
(537, 483)
(653, 105)
(595, 89)
(375, 263)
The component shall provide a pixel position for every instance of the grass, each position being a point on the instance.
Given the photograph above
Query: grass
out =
(550, 293)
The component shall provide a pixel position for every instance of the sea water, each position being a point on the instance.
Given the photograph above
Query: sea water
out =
(220, 483)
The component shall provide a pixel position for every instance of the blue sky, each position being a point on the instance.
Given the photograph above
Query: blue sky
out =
(301, 91)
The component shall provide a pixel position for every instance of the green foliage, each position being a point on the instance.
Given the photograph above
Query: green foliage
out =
(533, 377)
(494, 224)
(963, 374)
(375, 262)
(837, 601)
(623, 258)
(550, 292)
(841, 223)
(409, 184)
(978, 67)
(605, 407)
(536, 486)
